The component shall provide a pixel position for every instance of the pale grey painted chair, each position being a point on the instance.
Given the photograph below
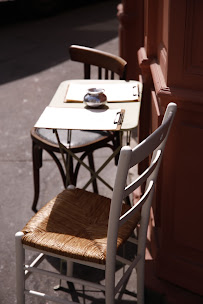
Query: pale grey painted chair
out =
(87, 228)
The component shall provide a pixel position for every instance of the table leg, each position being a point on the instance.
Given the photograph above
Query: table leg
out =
(94, 174)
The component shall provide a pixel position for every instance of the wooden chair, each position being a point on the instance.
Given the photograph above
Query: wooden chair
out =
(87, 228)
(81, 141)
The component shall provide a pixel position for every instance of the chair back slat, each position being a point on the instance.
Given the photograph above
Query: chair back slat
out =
(143, 177)
(106, 74)
(127, 215)
(87, 71)
(152, 142)
(93, 57)
(99, 73)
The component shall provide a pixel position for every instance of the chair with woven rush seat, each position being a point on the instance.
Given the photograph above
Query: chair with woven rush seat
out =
(84, 142)
(88, 228)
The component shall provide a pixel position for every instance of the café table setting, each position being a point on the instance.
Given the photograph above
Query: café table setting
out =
(106, 105)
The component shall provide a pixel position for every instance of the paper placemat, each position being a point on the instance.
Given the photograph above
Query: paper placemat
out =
(115, 92)
(80, 119)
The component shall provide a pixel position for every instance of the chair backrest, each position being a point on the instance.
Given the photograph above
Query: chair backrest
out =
(153, 146)
(107, 63)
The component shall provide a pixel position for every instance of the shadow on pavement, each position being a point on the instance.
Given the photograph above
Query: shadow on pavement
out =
(30, 45)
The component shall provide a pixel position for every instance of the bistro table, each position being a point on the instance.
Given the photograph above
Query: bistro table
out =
(63, 113)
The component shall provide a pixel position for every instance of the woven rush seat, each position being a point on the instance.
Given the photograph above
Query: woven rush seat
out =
(79, 138)
(74, 224)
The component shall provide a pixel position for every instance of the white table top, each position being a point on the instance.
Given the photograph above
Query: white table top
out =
(132, 108)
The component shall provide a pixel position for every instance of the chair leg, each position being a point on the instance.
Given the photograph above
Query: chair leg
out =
(71, 180)
(20, 274)
(69, 271)
(59, 165)
(91, 164)
(116, 144)
(37, 164)
(70, 268)
(110, 283)
(140, 281)
(63, 267)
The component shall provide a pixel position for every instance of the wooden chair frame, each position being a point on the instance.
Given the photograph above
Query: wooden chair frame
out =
(111, 65)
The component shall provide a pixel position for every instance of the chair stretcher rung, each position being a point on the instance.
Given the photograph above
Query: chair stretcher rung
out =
(123, 260)
(35, 263)
(47, 297)
(132, 240)
(91, 264)
(64, 277)
(127, 274)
